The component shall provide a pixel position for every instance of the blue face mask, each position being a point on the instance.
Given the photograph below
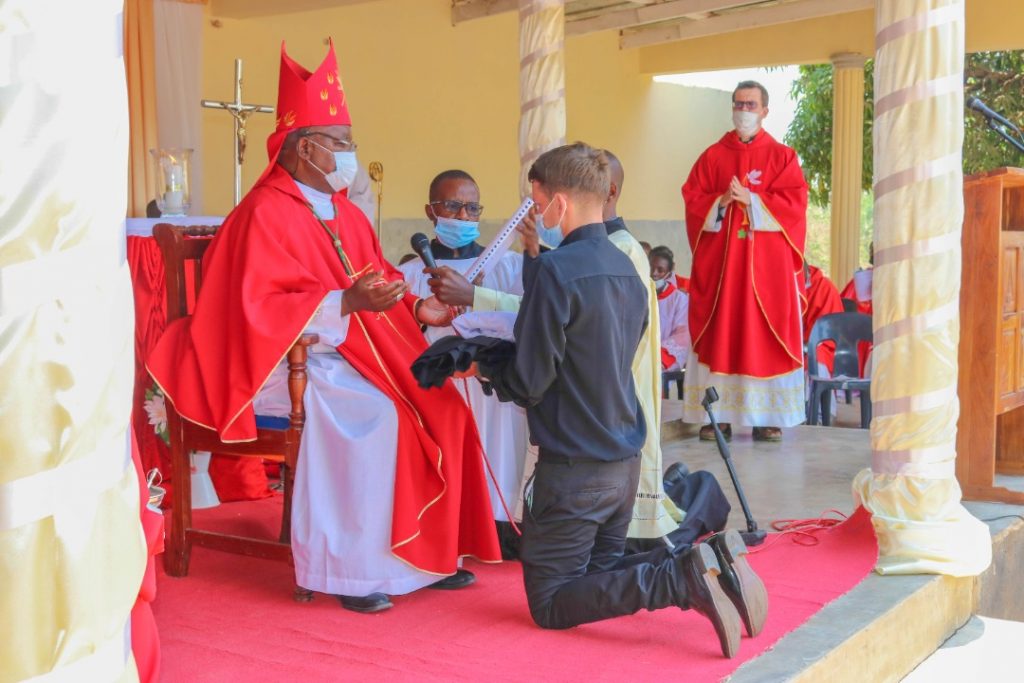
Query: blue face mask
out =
(551, 237)
(454, 233)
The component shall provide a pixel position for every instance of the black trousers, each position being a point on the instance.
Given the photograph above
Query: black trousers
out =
(574, 537)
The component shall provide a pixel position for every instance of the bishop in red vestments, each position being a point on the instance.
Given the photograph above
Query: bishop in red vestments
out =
(746, 202)
(390, 490)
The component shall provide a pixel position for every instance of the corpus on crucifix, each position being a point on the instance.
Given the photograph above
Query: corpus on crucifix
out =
(240, 112)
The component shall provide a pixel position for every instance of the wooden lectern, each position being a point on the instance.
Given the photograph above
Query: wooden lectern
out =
(990, 433)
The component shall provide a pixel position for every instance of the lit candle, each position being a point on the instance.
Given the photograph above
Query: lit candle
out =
(173, 202)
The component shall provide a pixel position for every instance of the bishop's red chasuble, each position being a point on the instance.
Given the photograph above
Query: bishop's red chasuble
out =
(745, 306)
(264, 276)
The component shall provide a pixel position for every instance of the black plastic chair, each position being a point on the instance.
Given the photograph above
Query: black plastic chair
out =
(846, 331)
(669, 376)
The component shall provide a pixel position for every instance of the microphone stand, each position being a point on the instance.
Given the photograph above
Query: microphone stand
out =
(753, 535)
(1001, 131)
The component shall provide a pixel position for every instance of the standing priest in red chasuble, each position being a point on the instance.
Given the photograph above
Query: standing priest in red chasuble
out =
(746, 204)
(390, 490)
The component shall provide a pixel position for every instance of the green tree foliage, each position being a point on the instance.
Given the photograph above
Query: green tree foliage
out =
(995, 77)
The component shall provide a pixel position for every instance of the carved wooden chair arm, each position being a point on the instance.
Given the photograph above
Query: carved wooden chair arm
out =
(297, 377)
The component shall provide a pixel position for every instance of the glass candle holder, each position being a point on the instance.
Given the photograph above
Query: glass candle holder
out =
(173, 180)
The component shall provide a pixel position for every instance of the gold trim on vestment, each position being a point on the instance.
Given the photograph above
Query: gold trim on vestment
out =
(419, 419)
(167, 395)
(760, 305)
(721, 275)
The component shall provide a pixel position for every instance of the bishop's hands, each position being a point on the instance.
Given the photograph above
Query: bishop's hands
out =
(735, 193)
(372, 292)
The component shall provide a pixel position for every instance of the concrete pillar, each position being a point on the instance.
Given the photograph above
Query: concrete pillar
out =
(847, 163)
(541, 81)
(911, 489)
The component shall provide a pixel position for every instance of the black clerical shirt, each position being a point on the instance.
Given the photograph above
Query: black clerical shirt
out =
(440, 251)
(583, 311)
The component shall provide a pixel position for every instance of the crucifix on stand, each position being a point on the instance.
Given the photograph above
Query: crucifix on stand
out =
(241, 113)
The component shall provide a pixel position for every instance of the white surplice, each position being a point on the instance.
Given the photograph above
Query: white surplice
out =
(674, 313)
(345, 479)
(502, 426)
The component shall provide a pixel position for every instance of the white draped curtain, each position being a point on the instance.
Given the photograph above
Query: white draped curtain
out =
(178, 27)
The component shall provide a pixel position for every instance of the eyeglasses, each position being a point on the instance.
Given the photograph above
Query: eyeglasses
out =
(745, 105)
(453, 206)
(340, 145)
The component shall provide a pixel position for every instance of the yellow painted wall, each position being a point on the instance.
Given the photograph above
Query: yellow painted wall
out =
(990, 25)
(426, 96)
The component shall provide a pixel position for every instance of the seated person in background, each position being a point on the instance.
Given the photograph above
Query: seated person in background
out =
(646, 246)
(454, 209)
(822, 299)
(673, 310)
(405, 259)
(859, 287)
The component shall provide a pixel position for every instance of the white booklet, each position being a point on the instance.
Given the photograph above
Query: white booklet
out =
(500, 244)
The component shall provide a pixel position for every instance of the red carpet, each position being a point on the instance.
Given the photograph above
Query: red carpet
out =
(233, 619)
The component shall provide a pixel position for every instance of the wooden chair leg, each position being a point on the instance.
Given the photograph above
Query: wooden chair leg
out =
(178, 551)
(288, 477)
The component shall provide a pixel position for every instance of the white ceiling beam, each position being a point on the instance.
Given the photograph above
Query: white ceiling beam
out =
(648, 15)
(478, 9)
(738, 21)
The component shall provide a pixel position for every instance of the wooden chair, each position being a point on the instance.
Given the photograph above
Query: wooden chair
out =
(275, 436)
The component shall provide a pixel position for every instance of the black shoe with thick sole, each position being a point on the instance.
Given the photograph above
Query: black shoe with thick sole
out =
(674, 474)
(374, 602)
(700, 572)
(460, 579)
(738, 580)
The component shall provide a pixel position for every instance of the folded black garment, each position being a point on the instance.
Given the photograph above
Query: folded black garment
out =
(449, 355)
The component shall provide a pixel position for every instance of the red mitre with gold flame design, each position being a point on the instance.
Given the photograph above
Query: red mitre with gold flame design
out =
(307, 99)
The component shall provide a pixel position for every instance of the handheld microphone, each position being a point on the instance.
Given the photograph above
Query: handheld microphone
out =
(980, 107)
(421, 245)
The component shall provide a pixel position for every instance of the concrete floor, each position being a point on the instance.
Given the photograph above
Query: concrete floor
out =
(811, 472)
(805, 475)
(980, 651)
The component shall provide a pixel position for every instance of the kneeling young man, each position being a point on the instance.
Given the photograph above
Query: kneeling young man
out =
(583, 313)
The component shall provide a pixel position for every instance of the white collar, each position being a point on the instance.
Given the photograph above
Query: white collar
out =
(323, 204)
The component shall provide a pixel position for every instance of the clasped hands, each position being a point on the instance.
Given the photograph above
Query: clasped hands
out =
(372, 292)
(735, 193)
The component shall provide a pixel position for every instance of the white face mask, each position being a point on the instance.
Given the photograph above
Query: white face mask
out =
(747, 123)
(345, 168)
